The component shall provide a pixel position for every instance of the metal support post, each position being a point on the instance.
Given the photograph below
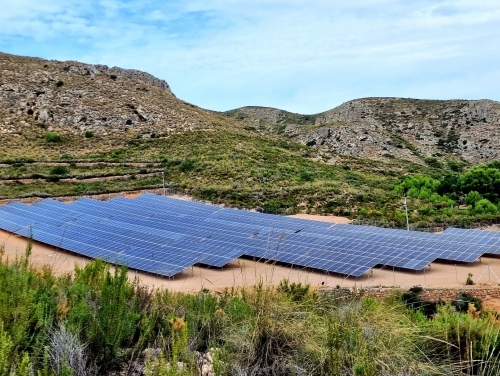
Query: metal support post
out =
(163, 179)
(406, 212)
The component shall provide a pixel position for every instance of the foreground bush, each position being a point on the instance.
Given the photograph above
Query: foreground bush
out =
(97, 322)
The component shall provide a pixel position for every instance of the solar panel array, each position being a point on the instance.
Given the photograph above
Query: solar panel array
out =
(165, 236)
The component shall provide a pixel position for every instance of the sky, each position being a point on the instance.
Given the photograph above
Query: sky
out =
(300, 56)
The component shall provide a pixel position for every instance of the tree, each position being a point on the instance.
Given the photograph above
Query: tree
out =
(473, 197)
(485, 180)
(485, 206)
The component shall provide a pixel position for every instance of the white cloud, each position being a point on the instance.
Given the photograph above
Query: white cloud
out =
(300, 55)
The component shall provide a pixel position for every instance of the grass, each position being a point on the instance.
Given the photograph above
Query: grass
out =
(235, 167)
(238, 168)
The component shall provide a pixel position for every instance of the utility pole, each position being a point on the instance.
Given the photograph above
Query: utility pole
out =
(406, 212)
(162, 179)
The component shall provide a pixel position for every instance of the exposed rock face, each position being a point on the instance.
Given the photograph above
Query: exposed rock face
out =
(381, 128)
(79, 97)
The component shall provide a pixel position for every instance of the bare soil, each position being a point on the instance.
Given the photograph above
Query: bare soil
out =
(323, 218)
(245, 272)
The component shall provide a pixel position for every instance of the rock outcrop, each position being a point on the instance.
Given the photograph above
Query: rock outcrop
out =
(385, 128)
(77, 97)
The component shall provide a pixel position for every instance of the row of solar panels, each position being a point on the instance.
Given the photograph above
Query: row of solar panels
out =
(164, 236)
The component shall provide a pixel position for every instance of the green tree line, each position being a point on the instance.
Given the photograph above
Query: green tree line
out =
(478, 188)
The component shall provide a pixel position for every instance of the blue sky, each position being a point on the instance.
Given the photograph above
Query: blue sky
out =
(301, 56)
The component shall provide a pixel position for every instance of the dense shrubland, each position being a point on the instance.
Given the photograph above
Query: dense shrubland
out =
(472, 195)
(96, 321)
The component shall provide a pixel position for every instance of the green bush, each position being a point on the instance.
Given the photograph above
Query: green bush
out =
(295, 291)
(27, 307)
(186, 165)
(484, 206)
(89, 134)
(59, 170)
(105, 307)
(413, 301)
(433, 162)
(52, 137)
(473, 197)
(6, 351)
(461, 303)
(485, 179)
(416, 289)
(306, 176)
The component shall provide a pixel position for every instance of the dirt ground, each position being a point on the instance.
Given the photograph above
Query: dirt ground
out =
(323, 218)
(244, 272)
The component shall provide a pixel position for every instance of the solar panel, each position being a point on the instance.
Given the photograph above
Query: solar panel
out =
(165, 236)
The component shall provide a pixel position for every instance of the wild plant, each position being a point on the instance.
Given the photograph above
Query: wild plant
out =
(27, 307)
(174, 359)
(107, 304)
(67, 354)
(468, 342)
(6, 351)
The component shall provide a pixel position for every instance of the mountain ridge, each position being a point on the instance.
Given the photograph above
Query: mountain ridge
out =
(388, 127)
(70, 128)
(38, 95)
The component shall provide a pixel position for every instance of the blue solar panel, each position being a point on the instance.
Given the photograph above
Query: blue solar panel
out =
(165, 235)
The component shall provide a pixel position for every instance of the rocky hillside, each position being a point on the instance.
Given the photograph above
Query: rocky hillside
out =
(388, 128)
(79, 98)
(115, 105)
(73, 129)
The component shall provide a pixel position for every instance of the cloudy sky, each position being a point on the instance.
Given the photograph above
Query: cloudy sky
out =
(301, 56)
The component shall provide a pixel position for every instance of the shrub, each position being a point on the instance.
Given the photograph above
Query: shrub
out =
(295, 291)
(52, 137)
(306, 176)
(59, 170)
(6, 349)
(484, 206)
(473, 197)
(485, 179)
(186, 165)
(456, 166)
(416, 289)
(59, 83)
(67, 356)
(461, 303)
(89, 134)
(27, 307)
(107, 308)
(414, 301)
(432, 162)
